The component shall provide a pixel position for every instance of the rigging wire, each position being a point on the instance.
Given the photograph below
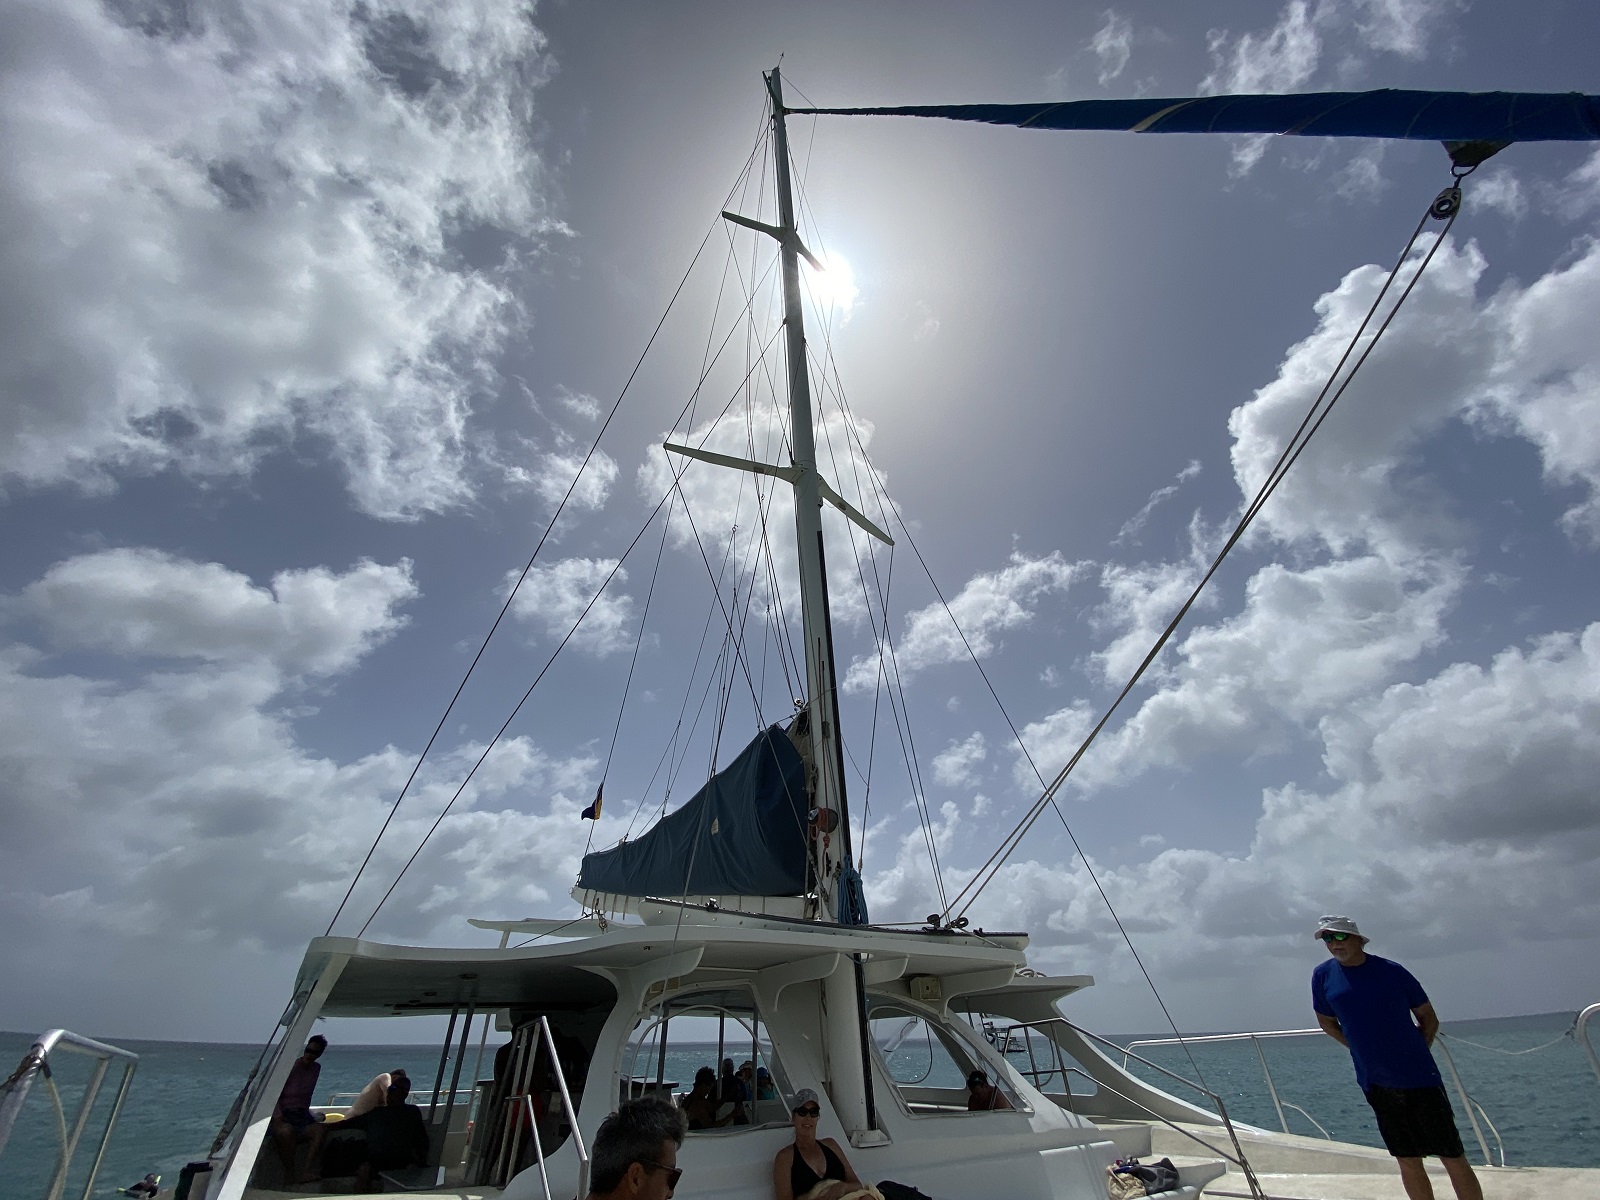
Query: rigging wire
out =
(1309, 424)
(506, 607)
(570, 633)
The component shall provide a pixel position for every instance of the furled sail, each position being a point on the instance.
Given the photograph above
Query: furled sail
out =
(743, 833)
(1388, 113)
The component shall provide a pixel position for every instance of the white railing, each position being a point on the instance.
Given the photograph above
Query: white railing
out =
(1580, 1034)
(1022, 1030)
(517, 1106)
(1473, 1109)
(37, 1062)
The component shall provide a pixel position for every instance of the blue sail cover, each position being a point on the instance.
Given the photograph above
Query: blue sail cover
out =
(743, 834)
(1390, 113)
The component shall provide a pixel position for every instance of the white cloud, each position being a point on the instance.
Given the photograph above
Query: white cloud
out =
(557, 471)
(991, 603)
(142, 602)
(1278, 61)
(1544, 383)
(555, 595)
(1403, 27)
(579, 404)
(1501, 191)
(955, 765)
(228, 227)
(1112, 44)
(1345, 491)
(168, 813)
(1136, 523)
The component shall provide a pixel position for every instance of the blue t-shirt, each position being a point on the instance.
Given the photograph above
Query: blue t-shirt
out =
(1373, 1004)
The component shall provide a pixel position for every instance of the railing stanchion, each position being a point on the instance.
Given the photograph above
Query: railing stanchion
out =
(1466, 1102)
(1266, 1074)
(1580, 1032)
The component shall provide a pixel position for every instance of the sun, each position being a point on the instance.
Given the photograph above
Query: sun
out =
(833, 289)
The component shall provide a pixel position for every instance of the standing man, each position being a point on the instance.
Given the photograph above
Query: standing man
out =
(635, 1154)
(1378, 1010)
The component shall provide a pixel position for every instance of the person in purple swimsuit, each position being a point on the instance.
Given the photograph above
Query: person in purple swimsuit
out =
(1378, 1010)
(292, 1118)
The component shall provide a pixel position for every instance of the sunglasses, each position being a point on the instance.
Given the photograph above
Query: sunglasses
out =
(810, 1110)
(1334, 937)
(673, 1173)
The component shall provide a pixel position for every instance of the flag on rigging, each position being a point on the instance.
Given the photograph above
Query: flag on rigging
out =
(592, 813)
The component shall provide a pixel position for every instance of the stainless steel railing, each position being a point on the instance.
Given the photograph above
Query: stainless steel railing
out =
(1255, 1038)
(1473, 1109)
(1580, 1034)
(14, 1091)
(1237, 1157)
(518, 1106)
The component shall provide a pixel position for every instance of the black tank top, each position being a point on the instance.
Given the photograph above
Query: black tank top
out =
(802, 1178)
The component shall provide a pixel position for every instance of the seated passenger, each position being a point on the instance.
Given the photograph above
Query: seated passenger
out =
(396, 1135)
(732, 1091)
(765, 1090)
(813, 1168)
(984, 1096)
(701, 1105)
(376, 1093)
(635, 1151)
(292, 1118)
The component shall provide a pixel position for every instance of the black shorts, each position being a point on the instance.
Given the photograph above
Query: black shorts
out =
(1415, 1122)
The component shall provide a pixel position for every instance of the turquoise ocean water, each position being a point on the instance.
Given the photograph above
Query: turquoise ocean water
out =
(1546, 1105)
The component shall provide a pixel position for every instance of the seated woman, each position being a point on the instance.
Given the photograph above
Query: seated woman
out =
(701, 1105)
(813, 1168)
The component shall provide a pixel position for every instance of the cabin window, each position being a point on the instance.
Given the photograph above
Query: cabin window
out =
(712, 1029)
(1035, 1057)
(930, 1062)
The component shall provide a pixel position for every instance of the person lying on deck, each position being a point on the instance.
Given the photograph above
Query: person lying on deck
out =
(396, 1135)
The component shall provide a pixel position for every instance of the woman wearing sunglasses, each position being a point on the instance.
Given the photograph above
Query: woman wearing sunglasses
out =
(814, 1168)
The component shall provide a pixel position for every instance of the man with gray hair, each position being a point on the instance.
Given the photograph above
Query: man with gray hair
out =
(635, 1154)
(1379, 1012)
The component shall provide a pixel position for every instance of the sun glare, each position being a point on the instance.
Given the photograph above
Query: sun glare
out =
(833, 289)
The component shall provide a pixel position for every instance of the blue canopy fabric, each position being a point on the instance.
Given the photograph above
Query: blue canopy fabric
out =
(743, 834)
(1389, 113)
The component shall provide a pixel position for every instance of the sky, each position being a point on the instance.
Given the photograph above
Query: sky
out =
(313, 311)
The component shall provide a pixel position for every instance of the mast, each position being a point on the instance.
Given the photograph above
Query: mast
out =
(831, 848)
(830, 827)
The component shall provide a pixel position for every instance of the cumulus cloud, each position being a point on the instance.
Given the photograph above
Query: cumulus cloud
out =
(159, 805)
(1481, 774)
(228, 227)
(554, 595)
(559, 471)
(147, 603)
(988, 605)
(955, 765)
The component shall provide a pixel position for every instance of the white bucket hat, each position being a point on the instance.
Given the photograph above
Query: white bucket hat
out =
(1333, 924)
